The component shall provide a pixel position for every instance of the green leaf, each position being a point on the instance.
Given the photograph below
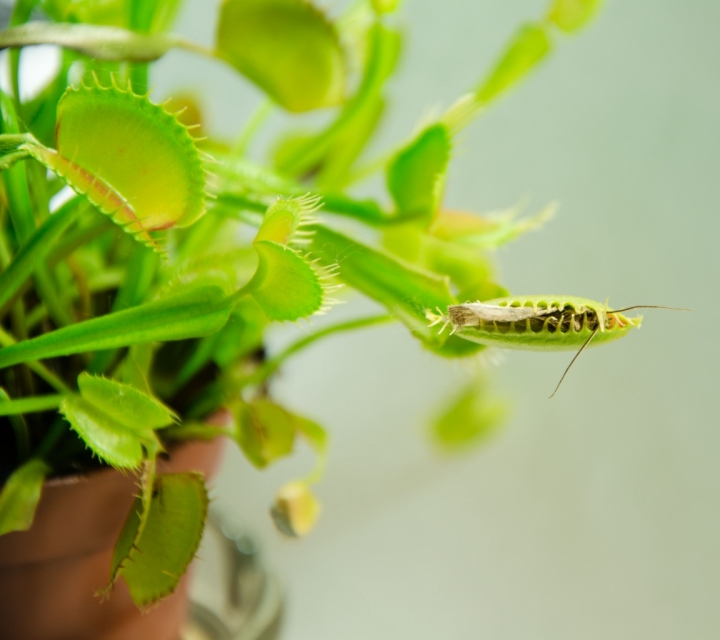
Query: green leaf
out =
(382, 54)
(35, 249)
(151, 16)
(109, 439)
(287, 47)
(284, 220)
(348, 145)
(115, 420)
(241, 335)
(571, 15)
(20, 496)
(189, 314)
(285, 286)
(416, 174)
(264, 431)
(125, 541)
(139, 411)
(529, 46)
(153, 562)
(470, 417)
(487, 232)
(135, 367)
(404, 290)
(315, 434)
(100, 42)
(129, 157)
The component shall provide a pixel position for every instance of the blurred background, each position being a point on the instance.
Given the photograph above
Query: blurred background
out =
(593, 515)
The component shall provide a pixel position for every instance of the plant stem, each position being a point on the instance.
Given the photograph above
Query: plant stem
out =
(216, 393)
(270, 366)
(22, 435)
(33, 404)
(21, 214)
(194, 47)
(40, 369)
(15, 178)
(142, 265)
(52, 437)
(380, 51)
(367, 211)
(256, 119)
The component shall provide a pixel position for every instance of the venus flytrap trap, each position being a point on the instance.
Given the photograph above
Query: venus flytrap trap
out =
(136, 311)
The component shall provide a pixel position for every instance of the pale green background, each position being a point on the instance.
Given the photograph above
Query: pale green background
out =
(594, 515)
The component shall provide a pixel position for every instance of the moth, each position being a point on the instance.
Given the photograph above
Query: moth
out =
(543, 323)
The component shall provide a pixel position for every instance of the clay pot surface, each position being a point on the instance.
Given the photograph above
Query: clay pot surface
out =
(50, 573)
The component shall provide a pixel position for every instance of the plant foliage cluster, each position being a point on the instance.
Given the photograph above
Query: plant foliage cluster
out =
(142, 259)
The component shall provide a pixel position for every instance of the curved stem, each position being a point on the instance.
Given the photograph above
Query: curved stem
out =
(22, 436)
(254, 122)
(270, 366)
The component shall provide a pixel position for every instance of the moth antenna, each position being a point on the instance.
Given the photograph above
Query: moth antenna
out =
(572, 362)
(649, 306)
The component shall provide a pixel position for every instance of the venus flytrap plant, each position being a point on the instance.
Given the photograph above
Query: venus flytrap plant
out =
(138, 309)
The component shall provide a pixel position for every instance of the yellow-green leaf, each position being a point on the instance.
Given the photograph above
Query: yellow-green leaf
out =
(529, 46)
(486, 232)
(404, 290)
(136, 409)
(20, 495)
(108, 438)
(265, 431)
(129, 157)
(115, 420)
(287, 47)
(241, 335)
(415, 176)
(285, 285)
(571, 15)
(284, 219)
(469, 417)
(193, 312)
(153, 562)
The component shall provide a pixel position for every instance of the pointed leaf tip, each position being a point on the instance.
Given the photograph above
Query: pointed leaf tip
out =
(416, 174)
(530, 45)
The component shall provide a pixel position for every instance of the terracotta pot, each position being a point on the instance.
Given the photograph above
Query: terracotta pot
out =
(49, 574)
